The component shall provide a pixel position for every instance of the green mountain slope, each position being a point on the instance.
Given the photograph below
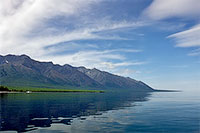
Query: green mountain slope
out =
(24, 71)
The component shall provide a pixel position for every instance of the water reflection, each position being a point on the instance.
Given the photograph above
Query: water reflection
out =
(25, 112)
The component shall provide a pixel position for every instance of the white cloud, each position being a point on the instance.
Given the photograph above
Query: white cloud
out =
(187, 9)
(112, 65)
(127, 72)
(24, 26)
(161, 9)
(187, 38)
(18, 20)
(91, 58)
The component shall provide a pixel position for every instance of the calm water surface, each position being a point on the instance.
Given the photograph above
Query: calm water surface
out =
(158, 112)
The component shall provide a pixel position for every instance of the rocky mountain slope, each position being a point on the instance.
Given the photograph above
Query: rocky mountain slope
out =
(24, 71)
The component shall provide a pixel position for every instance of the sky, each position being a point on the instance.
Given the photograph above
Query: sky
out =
(155, 41)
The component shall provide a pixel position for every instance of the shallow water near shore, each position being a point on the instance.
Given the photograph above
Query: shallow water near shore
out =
(100, 112)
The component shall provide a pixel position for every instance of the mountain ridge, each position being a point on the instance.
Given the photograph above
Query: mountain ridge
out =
(20, 70)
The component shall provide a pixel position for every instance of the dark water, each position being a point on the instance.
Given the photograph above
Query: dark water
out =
(100, 112)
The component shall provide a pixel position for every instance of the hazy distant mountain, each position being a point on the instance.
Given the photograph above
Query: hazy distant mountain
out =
(24, 71)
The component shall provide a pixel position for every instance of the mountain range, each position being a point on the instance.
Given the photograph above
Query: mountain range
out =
(23, 71)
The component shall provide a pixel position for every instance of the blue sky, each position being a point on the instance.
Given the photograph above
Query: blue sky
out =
(154, 41)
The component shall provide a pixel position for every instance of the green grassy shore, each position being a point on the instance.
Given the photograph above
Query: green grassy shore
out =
(25, 89)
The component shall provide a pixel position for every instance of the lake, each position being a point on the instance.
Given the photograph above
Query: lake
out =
(160, 112)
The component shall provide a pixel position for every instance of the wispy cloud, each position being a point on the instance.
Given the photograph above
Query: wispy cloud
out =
(160, 9)
(32, 32)
(22, 22)
(187, 38)
(111, 65)
(195, 52)
(93, 58)
(127, 72)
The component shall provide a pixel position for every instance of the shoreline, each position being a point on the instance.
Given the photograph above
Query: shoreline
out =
(67, 91)
(5, 92)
